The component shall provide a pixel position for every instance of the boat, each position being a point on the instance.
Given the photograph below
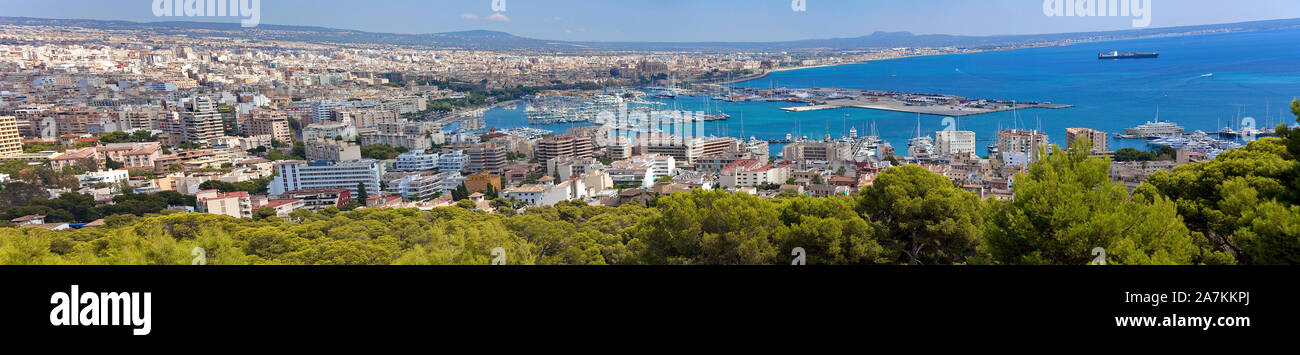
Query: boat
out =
(920, 148)
(1155, 128)
(1129, 55)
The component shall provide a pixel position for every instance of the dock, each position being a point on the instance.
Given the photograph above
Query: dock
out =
(810, 108)
(928, 109)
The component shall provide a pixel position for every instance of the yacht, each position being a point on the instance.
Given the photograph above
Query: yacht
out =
(1155, 128)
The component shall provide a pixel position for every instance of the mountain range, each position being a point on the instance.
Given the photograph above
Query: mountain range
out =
(494, 40)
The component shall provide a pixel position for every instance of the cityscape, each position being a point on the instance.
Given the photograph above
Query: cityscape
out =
(309, 145)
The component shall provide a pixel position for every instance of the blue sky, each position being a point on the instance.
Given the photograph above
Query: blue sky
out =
(685, 20)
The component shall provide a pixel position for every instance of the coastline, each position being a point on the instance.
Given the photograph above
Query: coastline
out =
(1066, 44)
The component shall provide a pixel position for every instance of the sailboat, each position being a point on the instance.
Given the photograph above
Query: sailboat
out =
(920, 147)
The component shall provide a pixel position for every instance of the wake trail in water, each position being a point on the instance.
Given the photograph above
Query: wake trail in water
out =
(977, 77)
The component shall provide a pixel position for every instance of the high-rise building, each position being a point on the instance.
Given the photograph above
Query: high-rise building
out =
(486, 157)
(201, 122)
(329, 149)
(1098, 139)
(563, 146)
(268, 123)
(321, 110)
(10, 142)
(1021, 142)
(950, 143)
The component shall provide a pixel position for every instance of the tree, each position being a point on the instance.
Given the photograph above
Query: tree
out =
(830, 232)
(710, 228)
(362, 194)
(922, 216)
(1208, 195)
(466, 204)
(112, 165)
(1066, 206)
(21, 194)
(142, 136)
(264, 213)
(382, 151)
(255, 187)
(299, 149)
(115, 137)
(460, 193)
(87, 164)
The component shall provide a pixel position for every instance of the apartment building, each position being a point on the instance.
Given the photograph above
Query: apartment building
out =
(686, 150)
(333, 150)
(642, 170)
(539, 195)
(750, 173)
(299, 175)
(453, 161)
(566, 166)
(953, 143)
(412, 136)
(10, 142)
(810, 155)
(486, 157)
(132, 155)
(1018, 144)
(318, 199)
(563, 146)
(365, 119)
(201, 122)
(418, 160)
(482, 182)
(268, 123)
(1097, 138)
(425, 187)
(73, 156)
(236, 204)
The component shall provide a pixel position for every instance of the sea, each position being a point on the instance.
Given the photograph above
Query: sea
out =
(1202, 82)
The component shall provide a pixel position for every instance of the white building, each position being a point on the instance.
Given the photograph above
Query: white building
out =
(320, 110)
(420, 188)
(110, 177)
(418, 160)
(454, 161)
(749, 173)
(950, 143)
(642, 170)
(539, 195)
(325, 175)
(330, 131)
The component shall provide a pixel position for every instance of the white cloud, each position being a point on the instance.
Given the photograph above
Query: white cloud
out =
(498, 17)
(469, 16)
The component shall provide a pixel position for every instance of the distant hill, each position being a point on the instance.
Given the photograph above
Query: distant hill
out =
(494, 40)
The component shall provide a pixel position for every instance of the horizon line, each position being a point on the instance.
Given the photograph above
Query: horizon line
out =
(235, 23)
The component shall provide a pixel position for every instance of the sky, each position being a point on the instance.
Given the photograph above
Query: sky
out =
(682, 20)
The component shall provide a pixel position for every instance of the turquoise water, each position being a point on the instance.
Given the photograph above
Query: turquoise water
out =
(1250, 70)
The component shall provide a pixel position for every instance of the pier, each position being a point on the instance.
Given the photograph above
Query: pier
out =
(957, 108)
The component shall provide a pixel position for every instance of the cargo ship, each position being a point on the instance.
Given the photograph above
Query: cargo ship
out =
(1129, 55)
